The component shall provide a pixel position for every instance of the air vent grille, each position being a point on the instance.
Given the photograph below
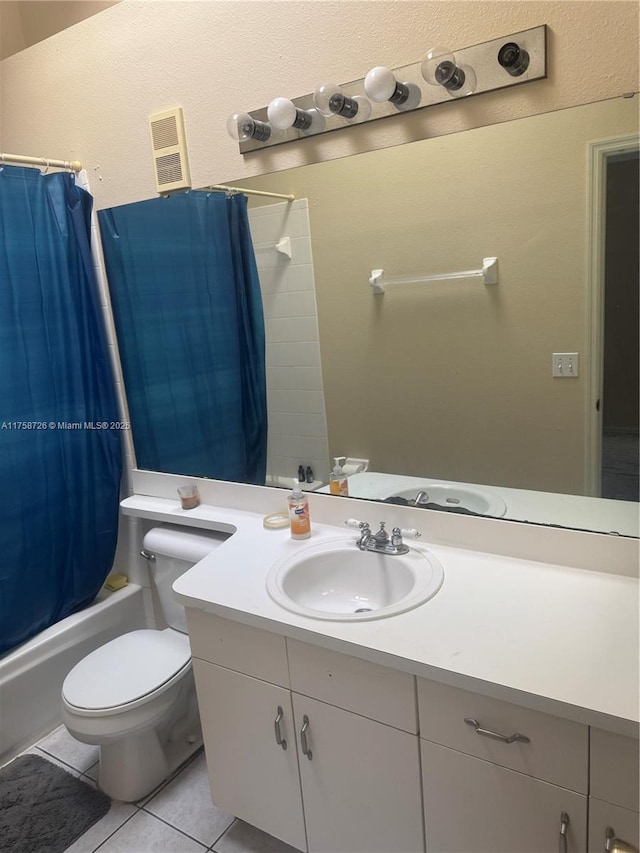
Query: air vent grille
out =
(164, 132)
(169, 169)
(169, 144)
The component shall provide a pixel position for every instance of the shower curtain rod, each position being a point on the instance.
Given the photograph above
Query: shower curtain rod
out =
(224, 188)
(21, 159)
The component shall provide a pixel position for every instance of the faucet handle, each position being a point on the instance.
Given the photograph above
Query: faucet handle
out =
(353, 522)
(410, 533)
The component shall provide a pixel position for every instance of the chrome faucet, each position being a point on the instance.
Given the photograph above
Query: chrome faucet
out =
(381, 542)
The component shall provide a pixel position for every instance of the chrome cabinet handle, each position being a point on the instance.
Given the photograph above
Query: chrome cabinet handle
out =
(617, 845)
(276, 725)
(303, 738)
(496, 735)
(564, 826)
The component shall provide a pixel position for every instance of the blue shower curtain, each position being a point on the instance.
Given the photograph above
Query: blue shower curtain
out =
(188, 312)
(60, 452)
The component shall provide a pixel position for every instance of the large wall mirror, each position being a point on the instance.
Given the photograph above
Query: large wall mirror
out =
(451, 381)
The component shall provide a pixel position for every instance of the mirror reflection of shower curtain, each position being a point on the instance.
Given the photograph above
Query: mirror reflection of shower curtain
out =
(59, 467)
(188, 315)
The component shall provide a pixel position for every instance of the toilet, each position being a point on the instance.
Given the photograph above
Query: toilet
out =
(135, 696)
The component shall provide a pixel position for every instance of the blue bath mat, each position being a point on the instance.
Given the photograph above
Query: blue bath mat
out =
(44, 809)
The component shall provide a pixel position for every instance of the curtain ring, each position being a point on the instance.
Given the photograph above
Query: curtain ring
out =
(44, 160)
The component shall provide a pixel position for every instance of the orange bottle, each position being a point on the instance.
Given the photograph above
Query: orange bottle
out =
(299, 517)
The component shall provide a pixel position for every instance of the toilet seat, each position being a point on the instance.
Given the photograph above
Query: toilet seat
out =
(126, 672)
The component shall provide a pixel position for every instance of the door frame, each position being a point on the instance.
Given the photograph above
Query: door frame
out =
(598, 154)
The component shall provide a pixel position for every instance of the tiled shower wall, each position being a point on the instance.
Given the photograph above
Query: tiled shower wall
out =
(295, 399)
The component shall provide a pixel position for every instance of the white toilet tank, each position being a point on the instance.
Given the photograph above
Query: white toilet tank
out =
(175, 552)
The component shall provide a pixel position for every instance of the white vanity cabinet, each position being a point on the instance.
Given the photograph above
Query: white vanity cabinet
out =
(614, 802)
(242, 686)
(252, 776)
(488, 791)
(351, 740)
(331, 753)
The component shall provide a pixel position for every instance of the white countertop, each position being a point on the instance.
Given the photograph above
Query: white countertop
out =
(550, 637)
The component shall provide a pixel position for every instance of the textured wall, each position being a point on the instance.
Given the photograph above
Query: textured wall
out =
(26, 22)
(86, 92)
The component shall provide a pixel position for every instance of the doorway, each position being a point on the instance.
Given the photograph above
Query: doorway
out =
(612, 404)
(621, 351)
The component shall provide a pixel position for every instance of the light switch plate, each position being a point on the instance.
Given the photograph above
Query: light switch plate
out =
(565, 365)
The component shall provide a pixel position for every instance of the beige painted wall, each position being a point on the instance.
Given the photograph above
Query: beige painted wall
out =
(11, 35)
(25, 22)
(453, 379)
(86, 92)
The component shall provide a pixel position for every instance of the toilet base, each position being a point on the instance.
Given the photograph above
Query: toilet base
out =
(130, 768)
(142, 747)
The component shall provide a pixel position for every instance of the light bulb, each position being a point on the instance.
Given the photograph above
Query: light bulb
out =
(438, 66)
(330, 100)
(381, 85)
(241, 126)
(439, 69)
(284, 114)
(323, 95)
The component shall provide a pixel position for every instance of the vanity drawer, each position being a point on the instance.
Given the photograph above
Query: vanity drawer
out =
(557, 750)
(239, 647)
(365, 688)
(604, 816)
(474, 806)
(614, 769)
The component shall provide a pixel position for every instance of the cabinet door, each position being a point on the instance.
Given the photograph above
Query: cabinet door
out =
(251, 776)
(361, 788)
(473, 806)
(623, 822)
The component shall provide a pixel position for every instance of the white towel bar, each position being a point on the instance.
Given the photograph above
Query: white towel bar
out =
(488, 273)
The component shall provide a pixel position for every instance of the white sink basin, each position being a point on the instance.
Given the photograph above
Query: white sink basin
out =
(452, 496)
(335, 580)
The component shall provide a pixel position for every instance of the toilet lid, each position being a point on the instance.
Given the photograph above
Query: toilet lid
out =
(126, 669)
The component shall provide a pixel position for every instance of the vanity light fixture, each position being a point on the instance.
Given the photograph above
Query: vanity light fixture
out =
(381, 85)
(513, 58)
(330, 100)
(241, 126)
(439, 68)
(498, 63)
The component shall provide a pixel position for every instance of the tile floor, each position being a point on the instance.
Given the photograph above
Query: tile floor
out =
(178, 817)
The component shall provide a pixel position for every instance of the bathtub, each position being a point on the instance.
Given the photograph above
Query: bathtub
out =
(31, 675)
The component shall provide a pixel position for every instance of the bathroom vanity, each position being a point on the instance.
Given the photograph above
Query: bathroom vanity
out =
(499, 715)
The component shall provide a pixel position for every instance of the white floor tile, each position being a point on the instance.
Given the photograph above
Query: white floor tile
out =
(96, 834)
(144, 833)
(62, 745)
(186, 804)
(35, 751)
(244, 838)
(92, 772)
